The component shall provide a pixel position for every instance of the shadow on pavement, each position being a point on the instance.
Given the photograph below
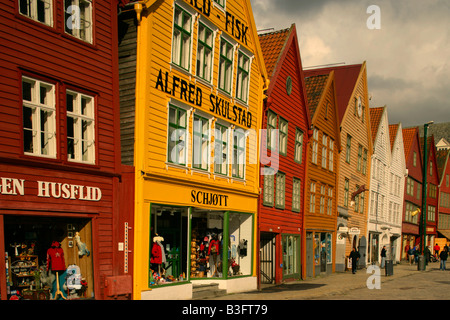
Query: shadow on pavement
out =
(291, 287)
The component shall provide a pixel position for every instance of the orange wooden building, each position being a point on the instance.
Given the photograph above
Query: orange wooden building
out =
(321, 176)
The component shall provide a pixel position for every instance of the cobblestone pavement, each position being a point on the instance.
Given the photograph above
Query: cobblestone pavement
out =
(405, 283)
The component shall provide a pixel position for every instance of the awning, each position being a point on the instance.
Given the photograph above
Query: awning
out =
(445, 233)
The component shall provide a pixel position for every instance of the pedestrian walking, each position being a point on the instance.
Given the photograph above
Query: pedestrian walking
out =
(411, 255)
(443, 255)
(436, 250)
(427, 253)
(383, 256)
(416, 254)
(354, 255)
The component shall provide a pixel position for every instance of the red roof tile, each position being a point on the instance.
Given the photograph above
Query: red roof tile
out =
(272, 45)
(375, 118)
(393, 129)
(345, 78)
(314, 89)
(408, 138)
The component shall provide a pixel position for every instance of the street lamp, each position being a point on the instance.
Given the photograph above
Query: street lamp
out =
(422, 266)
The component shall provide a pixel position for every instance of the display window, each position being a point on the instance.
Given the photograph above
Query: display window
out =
(291, 250)
(208, 244)
(48, 258)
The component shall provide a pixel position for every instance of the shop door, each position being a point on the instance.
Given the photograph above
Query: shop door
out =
(267, 257)
(362, 251)
(309, 255)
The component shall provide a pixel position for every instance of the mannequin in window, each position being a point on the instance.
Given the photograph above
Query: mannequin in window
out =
(56, 262)
(158, 257)
(213, 253)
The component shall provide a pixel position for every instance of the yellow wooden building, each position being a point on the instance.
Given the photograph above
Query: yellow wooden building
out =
(192, 133)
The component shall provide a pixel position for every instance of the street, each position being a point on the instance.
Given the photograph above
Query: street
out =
(432, 285)
(406, 283)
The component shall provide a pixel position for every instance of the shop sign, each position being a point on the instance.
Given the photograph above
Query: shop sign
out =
(16, 187)
(209, 198)
(354, 231)
(190, 93)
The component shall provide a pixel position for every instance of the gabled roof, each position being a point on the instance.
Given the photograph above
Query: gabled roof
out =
(409, 135)
(274, 47)
(393, 131)
(345, 78)
(441, 160)
(375, 119)
(314, 89)
(272, 44)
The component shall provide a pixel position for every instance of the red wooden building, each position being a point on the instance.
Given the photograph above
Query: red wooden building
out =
(64, 210)
(444, 194)
(282, 196)
(413, 190)
(433, 181)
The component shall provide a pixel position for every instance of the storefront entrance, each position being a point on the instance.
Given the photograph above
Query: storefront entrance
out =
(48, 257)
(189, 243)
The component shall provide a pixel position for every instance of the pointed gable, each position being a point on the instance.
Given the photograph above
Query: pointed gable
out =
(393, 131)
(272, 45)
(315, 86)
(375, 119)
(409, 135)
(345, 78)
(442, 160)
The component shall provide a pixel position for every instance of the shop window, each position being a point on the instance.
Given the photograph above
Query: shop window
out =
(291, 251)
(39, 10)
(243, 77)
(168, 247)
(200, 148)
(39, 118)
(204, 52)
(221, 149)
(240, 244)
(78, 19)
(80, 127)
(48, 258)
(177, 135)
(181, 42)
(225, 65)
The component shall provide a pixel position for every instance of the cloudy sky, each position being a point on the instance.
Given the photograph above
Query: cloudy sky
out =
(408, 58)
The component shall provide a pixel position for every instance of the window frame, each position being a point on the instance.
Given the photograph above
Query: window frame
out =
(283, 136)
(280, 190)
(225, 83)
(176, 126)
(37, 107)
(243, 77)
(239, 152)
(76, 114)
(204, 136)
(298, 155)
(33, 11)
(89, 19)
(269, 188)
(224, 145)
(202, 43)
(177, 51)
(296, 194)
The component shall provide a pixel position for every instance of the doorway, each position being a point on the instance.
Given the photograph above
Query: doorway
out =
(267, 257)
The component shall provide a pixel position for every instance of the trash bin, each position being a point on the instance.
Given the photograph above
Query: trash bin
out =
(421, 263)
(389, 267)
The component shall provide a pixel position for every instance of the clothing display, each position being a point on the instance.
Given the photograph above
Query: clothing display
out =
(55, 257)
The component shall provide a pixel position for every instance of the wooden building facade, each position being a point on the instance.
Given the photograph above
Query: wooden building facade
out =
(192, 134)
(322, 173)
(283, 156)
(60, 171)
